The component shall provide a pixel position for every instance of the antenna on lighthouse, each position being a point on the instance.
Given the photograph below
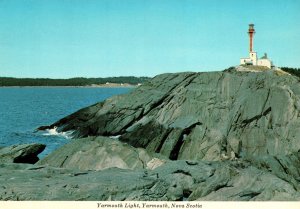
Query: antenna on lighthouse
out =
(251, 32)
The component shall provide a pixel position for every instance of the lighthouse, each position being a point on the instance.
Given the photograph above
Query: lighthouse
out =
(252, 59)
(251, 32)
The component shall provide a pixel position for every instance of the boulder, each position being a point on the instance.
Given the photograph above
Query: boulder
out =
(97, 153)
(24, 153)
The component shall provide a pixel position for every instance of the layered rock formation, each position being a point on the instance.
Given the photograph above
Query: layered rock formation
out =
(185, 136)
(174, 180)
(97, 154)
(200, 116)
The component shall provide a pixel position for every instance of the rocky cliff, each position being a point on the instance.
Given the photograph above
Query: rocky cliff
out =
(230, 135)
(200, 116)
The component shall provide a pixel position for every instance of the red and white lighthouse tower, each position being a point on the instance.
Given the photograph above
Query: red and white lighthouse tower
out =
(252, 59)
(251, 32)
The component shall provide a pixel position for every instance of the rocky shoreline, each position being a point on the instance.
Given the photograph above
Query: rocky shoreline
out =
(65, 175)
(230, 135)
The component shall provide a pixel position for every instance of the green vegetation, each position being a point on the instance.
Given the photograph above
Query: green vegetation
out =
(293, 71)
(230, 69)
(9, 81)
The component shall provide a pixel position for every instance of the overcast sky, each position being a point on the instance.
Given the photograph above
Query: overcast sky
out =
(100, 38)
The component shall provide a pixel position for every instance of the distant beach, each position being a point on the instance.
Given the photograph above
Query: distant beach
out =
(112, 85)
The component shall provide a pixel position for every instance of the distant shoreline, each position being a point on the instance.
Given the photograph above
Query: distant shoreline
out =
(109, 82)
(89, 86)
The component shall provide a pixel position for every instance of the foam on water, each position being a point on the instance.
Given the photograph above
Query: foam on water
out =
(115, 137)
(54, 132)
(22, 110)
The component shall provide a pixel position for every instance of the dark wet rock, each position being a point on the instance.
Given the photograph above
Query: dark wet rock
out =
(25, 153)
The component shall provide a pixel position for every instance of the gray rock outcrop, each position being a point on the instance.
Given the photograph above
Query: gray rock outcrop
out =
(25, 153)
(200, 116)
(185, 136)
(97, 153)
(174, 180)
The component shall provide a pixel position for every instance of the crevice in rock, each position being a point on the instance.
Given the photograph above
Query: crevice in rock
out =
(162, 141)
(144, 164)
(250, 195)
(186, 193)
(27, 154)
(183, 172)
(191, 163)
(213, 171)
(221, 186)
(283, 167)
(290, 181)
(190, 81)
(36, 168)
(257, 117)
(161, 100)
(30, 159)
(63, 162)
(137, 138)
(268, 95)
(81, 173)
(237, 119)
(175, 152)
(234, 124)
(219, 79)
(136, 119)
(166, 101)
(270, 122)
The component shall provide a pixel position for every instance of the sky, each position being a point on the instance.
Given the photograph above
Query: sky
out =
(102, 38)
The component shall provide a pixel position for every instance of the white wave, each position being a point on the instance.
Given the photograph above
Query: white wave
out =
(115, 137)
(54, 132)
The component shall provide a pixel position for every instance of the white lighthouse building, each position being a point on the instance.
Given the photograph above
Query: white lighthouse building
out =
(252, 59)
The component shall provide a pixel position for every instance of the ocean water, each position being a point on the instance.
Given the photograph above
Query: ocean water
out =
(22, 110)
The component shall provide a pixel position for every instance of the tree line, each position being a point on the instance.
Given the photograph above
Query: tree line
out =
(292, 71)
(80, 81)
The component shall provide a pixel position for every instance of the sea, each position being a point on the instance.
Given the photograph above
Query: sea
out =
(24, 109)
